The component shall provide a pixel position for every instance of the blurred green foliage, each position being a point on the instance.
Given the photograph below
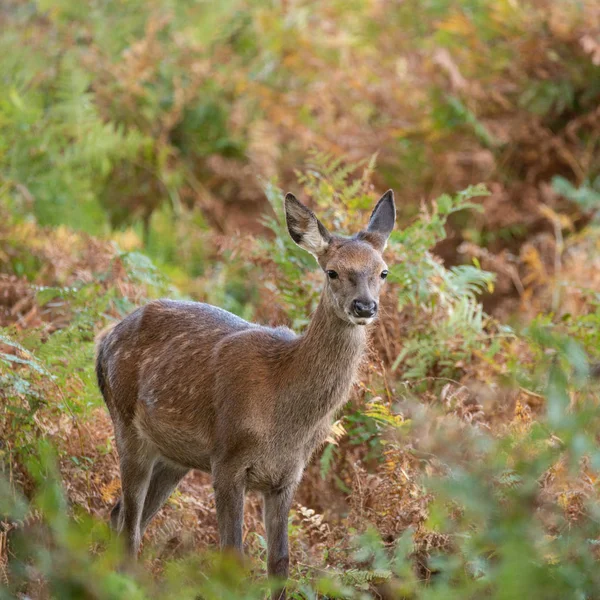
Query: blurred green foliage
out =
(161, 124)
(115, 111)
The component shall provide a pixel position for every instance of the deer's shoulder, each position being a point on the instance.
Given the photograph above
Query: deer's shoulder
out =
(258, 344)
(259, 336)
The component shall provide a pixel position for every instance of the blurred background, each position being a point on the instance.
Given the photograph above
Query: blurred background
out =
(157, 120)
(144, 149)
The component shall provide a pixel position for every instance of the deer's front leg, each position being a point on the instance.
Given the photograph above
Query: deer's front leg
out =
(276, 511)
(229, 487)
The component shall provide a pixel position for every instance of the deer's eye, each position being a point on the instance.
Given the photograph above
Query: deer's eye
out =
(384, 274)
(332, 274)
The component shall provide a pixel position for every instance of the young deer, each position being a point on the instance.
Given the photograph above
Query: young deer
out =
(191, 386)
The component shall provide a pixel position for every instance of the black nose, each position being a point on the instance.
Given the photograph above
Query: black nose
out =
(364, 308)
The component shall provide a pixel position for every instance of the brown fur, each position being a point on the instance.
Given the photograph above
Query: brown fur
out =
(191, 386)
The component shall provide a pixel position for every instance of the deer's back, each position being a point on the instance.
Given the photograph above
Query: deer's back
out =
(156, 361)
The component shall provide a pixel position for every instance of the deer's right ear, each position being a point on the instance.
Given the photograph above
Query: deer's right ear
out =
(304, 227)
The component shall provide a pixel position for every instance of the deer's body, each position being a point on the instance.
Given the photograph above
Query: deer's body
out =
(191, 386)
(201, 382)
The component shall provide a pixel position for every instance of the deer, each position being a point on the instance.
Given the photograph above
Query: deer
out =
(191, 386)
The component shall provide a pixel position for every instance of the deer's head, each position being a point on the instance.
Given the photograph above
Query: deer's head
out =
(354, 266)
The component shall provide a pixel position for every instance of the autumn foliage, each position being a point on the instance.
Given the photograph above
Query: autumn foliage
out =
(144, 151)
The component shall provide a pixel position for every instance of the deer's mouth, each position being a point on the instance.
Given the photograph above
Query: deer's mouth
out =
(360, 320)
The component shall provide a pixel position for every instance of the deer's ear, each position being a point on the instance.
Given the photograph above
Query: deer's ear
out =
(304, 227)
(382, 221)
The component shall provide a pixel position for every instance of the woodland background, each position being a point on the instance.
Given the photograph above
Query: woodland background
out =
(144, 149)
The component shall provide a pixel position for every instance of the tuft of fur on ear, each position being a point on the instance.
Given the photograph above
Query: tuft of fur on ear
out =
(304, 227)
(381, 223)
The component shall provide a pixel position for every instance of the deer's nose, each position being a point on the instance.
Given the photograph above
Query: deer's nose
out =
(364, 308)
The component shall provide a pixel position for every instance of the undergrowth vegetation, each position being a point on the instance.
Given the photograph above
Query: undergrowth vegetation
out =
(145, 148)
(465, 460)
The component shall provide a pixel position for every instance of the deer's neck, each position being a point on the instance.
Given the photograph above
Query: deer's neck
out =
(330, 352)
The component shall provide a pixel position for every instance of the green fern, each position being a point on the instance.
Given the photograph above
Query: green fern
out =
(363, 579)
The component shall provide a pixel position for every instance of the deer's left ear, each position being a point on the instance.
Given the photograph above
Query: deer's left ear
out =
(382, 221)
